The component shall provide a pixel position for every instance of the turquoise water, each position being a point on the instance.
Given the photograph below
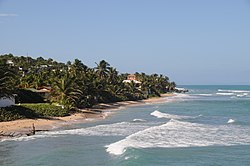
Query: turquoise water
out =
(208, 126)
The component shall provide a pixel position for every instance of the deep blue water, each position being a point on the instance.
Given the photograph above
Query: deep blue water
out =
(210, 125)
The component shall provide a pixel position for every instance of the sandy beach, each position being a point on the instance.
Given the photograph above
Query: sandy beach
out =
(98, 112)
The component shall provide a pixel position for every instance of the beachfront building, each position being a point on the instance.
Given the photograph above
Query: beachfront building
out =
(131, 78)
(44, 91)
(6, 102)
(10, 63)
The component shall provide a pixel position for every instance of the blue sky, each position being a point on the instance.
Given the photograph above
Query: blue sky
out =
(191, 41)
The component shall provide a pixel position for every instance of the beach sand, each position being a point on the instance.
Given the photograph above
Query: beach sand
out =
(98, 112)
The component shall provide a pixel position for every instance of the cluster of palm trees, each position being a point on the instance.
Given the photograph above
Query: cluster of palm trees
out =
(76, 85)
(7, 77)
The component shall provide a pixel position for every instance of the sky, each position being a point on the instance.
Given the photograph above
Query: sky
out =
(190, 41)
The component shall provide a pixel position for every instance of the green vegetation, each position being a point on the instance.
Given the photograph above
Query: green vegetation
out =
(73, 85)
(47, 110)
(27, 96)
(14, 113)
(31, 111)
(7, 77)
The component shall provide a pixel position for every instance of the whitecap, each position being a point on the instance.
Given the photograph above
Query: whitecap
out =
(127, 157)
(159, 114)
(225, 94)
(233, 91)
(242, 95)
(230, 121)
(178, 97)
(139, 120)
(204, 94)
(181, 96)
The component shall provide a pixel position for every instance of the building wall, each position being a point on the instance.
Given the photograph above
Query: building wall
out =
(5, 102)
(131, 77)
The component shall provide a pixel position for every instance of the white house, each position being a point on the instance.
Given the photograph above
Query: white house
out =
(131, 78)
(6, 102)
(10, 62)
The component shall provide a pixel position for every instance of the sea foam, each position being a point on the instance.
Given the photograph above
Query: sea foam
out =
(27, 138)
(114, 129)
(233, 91)
(204, 94)
(242, 95)
(159, 114)
(230, 121)
(225, 94)
(182, 134)
(139, 120)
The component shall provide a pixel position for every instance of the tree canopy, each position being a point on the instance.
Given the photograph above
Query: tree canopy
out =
(74, 84)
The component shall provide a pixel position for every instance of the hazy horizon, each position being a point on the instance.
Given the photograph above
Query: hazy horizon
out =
(193, 42)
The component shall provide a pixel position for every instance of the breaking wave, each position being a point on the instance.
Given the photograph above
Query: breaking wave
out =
(182, 134)
(204, 94)
(233, 91)
(231, 121)
(242, 95)
(226, 94)
(115, 129)
(181, 96)
(139, 120)
(159, 114)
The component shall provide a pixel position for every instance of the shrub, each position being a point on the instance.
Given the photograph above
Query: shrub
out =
(45, 110)
(16, 112)
(31, 111)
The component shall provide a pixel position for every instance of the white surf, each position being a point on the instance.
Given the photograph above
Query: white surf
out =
(182, 134)
(230, 121)
(159, 114)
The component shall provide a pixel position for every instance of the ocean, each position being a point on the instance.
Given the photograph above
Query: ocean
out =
(210, 126)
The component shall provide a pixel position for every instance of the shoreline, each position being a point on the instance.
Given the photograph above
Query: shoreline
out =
(98, 112)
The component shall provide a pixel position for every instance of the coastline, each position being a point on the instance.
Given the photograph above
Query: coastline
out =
(98, 112)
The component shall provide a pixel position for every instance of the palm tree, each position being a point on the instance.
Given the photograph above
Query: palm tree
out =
(162, 83)
(6, 81)
(85, 89)
(77, 67)
(133, 92)
(38, 80)
(112, 75)
(102, 69)
(65, 91)
(171, 86)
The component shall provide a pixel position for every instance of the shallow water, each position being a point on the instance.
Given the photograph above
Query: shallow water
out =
(208, 126)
